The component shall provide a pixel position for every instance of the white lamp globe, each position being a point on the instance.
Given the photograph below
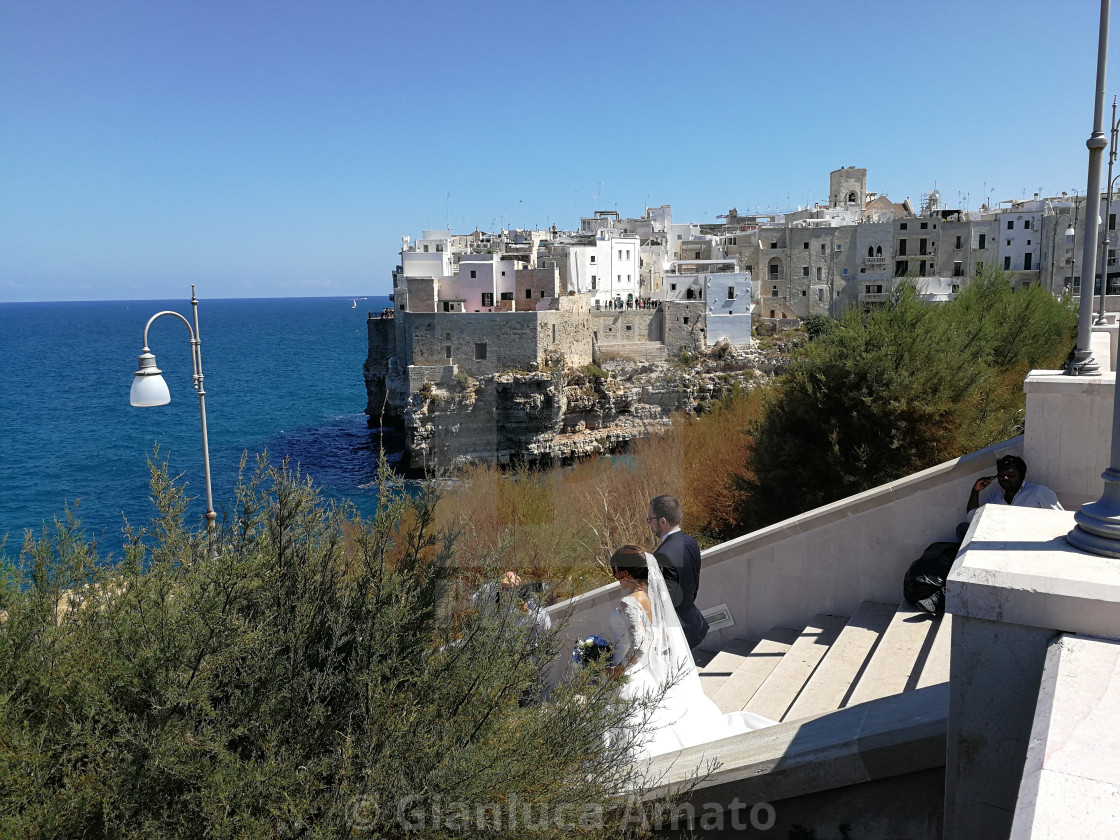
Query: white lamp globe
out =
(148, 387)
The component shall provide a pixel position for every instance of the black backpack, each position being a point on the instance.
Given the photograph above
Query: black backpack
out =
(924, 582)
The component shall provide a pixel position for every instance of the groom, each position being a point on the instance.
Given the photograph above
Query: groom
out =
(678, 555)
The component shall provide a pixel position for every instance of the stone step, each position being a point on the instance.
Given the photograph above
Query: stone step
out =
(840, 669)
(724, 663)
(936, 669)
(735, 693)
(898, 658)
(780, 689)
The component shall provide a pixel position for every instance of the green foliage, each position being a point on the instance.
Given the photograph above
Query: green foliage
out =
(898, 390)
(818, 325)
(463, 380)
(594, 371)
(300, 673)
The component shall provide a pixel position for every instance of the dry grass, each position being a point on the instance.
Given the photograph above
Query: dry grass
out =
(561, 525)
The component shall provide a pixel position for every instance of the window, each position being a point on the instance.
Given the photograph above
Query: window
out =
(1007, 263)
(802, 293)
(627, 253)
(439, 249)
(1112, 221)
(686, 319)
(839, 247)
(958, 269)
(553, 330)
(593, 259)
(620, 253)
(983, 242)
(425, 249)
(822, 247)
(487, 298)
(820, 295)
(1008, 243)
(902, 247)
(447, 336)
(629, 327)
(957, 246)
(473, 274)
(773, 243)
(804, 271)
(818, 274)
(771, 313)
(922, 268)
(679, 237)
(619, 278)
(878, 250)
(507, 295)
(529, 294)
(775, 292)
(1027, 224)
(924, 225)
(870, 251)
(543, 293)
(731, 293)
(1010, 224)
(902, 226)
(447, 351)
(503, 274)
(773, 269)
(628, 278)
(845, 272)
(480, 351)
(1027, 261)
(901, 267)
(805, 245)
(672, 287)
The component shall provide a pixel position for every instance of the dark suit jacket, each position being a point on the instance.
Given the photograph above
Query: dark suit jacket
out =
(679, 559)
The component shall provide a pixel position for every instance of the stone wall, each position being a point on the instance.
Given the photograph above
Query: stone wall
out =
(481, 344)
(422, 294)
(530, 283)
(684, 325)
(617, 326)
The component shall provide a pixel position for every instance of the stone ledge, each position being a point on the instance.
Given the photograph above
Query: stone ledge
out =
(893, 736)
(1017, 567)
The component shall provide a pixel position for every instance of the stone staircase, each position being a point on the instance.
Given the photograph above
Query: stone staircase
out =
(832, 663)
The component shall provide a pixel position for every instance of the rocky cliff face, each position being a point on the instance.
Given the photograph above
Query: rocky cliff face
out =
(557, 415)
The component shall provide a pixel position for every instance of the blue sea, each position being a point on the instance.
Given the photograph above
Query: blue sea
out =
(282, 375)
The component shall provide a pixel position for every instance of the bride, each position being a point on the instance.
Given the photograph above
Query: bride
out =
(651, 652)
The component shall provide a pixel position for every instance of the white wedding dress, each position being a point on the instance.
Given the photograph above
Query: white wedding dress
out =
(657, 655)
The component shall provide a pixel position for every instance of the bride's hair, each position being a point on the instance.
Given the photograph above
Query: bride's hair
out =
(632, 559)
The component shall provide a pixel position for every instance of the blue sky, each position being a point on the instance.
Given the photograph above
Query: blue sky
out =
(283, 148)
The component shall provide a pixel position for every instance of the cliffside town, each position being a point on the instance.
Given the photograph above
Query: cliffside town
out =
(549, 345)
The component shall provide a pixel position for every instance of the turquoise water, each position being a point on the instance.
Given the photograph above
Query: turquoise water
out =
(282, 375)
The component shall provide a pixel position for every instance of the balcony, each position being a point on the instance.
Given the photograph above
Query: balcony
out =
(875, 262)
(874, 297)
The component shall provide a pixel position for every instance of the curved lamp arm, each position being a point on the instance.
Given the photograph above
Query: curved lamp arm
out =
(149, 389)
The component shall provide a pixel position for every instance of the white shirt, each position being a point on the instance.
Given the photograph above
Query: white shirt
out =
(675, 529)
(1029, 495)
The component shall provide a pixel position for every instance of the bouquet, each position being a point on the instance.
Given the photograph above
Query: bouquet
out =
(591, 649)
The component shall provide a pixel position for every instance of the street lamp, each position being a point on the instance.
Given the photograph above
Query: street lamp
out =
(1071, 232)
(1108, 215)
(1083, 363)
(148, 389)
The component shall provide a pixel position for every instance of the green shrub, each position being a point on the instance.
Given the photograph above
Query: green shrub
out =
(897, 390)
(594, 371)
(300, 673)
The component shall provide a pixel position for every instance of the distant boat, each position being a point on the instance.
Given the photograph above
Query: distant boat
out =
(355, 306)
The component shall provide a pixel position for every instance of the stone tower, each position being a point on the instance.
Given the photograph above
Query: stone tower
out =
(847, 187)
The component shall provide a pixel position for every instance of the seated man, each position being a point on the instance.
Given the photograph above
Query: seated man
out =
(1013, 489)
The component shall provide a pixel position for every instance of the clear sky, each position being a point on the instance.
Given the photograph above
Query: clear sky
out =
(279, 148)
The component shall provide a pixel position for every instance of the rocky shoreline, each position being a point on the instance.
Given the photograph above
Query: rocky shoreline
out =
(559, 415)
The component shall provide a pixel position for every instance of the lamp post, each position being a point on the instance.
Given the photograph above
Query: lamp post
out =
(1098, 523)
(1071, 232)
(1107, 215)
(1083, 363)
(149, 388)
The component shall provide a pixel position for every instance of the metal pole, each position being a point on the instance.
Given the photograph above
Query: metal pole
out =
(1098, 523)
(196, 370)
(1083, 363)
(1101, 319)
(196, 359)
